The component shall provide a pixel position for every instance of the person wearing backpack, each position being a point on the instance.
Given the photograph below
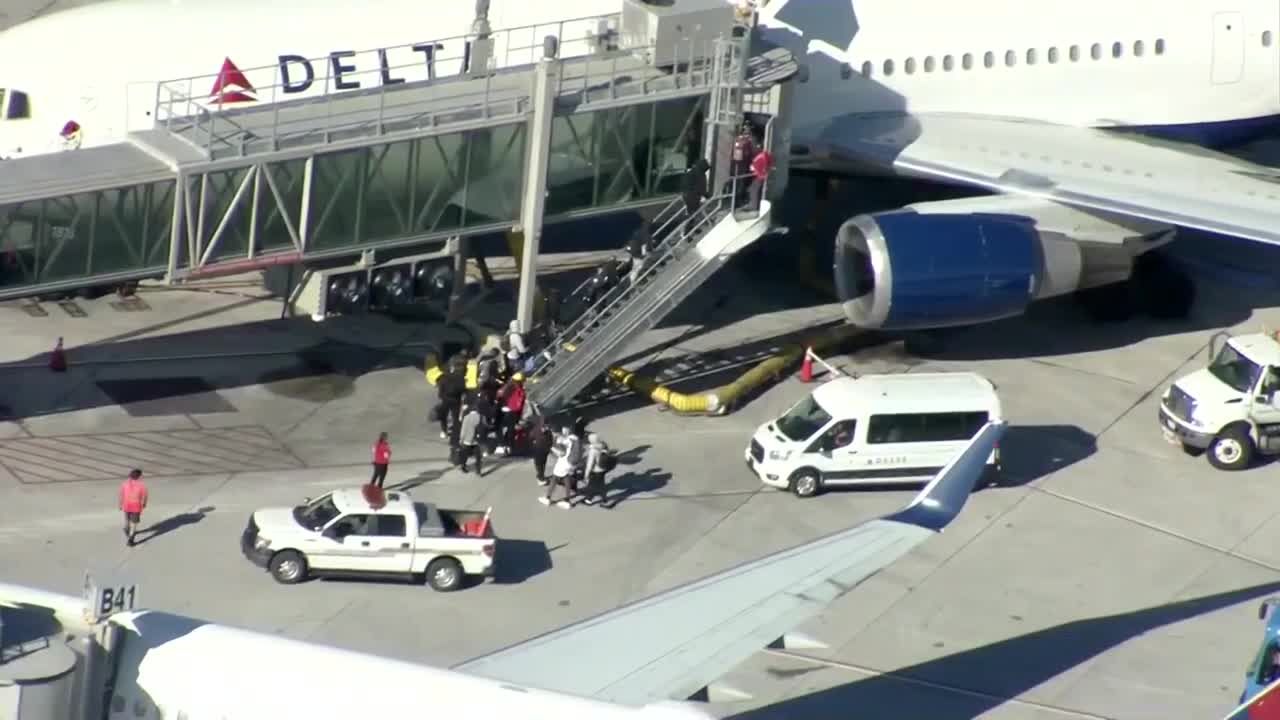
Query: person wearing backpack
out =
(600, 460)
(568, 452)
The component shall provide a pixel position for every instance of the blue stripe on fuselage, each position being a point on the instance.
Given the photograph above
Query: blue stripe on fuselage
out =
(1211, 134)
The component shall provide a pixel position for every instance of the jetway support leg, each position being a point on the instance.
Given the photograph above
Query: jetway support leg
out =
(546, 81)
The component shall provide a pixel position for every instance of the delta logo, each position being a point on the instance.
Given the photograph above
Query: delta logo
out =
(231, 86)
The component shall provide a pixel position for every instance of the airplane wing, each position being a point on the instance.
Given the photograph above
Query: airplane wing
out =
(672, 645)
(1108, 170)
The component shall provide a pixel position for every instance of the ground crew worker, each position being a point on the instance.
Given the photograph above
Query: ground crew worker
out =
(451, 386)
(595, 468)
(381, 459)
(568, 451)
(469, 440)
(761, 166)
(133, 500)
(540, 440)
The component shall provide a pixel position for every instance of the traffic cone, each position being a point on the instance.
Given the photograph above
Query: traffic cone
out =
(806, 367)
(58, 358)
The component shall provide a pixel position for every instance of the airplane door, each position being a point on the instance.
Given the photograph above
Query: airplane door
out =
(1228, 47)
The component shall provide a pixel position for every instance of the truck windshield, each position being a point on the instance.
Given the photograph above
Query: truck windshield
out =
(803, 420)
(317, 513)
(1235, 369)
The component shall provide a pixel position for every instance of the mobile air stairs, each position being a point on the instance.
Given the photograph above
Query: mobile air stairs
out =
(685, 252)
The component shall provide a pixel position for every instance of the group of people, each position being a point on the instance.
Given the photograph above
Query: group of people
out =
(578, 455)
(485, 420)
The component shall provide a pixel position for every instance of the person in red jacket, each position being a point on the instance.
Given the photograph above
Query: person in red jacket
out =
(133, 500)
(381, 459)
(761, 166)
(511, 397)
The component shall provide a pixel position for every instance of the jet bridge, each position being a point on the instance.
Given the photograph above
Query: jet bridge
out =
(617, 106)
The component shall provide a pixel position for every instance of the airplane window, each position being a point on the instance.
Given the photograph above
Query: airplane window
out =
(1117, 50)
(866, 69)
(948, 63)
(928, 64)
(1160, 46)
(910, 65)
(1010, 58)
(988, 59)
(1031, 56)
(888, 67)
(967, 61)
(1053, 55)
(1095, 51)
(1266, 38)
(845, 71)
(19, 106)
(1075, 53)
(1138, 48)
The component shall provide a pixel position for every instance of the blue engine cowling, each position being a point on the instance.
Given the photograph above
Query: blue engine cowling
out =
(906, 271)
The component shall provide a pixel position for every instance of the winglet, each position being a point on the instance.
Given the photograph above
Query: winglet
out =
(1266, 704)
(942, 499)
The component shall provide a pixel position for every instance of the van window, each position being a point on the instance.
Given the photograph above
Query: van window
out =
(803, 420)
(924, 427)
(837, 436)
(19, 106)
(389, 526)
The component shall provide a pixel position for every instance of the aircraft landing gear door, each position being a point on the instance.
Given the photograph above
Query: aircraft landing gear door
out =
(1266, 411)
(1228, 47)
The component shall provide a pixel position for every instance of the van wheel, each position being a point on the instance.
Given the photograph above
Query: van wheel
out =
(288, 567)
(1232, 449)
(806, 482)
(444, 574)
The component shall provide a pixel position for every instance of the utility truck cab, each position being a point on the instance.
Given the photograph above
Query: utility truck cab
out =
(1230, 408)
(367, 531)
(872, 430)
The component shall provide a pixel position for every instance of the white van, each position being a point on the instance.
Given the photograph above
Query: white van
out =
(872, 430)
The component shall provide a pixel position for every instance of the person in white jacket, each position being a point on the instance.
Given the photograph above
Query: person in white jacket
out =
(568, 452)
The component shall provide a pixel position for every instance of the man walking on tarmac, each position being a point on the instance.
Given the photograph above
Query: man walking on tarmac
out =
(133, 500)
(381, 459)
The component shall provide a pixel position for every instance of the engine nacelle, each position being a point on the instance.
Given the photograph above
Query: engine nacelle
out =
(913, 269)
(903, 271)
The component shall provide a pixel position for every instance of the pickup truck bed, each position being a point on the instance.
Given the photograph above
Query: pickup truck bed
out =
(438, 522)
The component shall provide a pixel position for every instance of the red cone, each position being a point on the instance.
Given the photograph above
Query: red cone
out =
(806, 367)
(58, 358)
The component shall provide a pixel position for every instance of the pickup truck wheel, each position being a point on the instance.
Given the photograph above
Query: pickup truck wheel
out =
(806, 482)
(444, 574)
(288, 567)
(1232, 449)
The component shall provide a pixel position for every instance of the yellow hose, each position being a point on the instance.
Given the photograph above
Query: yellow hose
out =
(719, 400)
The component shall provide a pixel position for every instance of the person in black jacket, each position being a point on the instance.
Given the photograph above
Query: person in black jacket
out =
(451, 386)
(540, 440)
(694, 190)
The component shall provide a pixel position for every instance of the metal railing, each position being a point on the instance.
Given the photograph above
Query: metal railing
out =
(675, 234)
(215, 124)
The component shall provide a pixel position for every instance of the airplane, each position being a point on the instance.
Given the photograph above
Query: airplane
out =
(641, 660)
(1259, 700)
(1090, 125)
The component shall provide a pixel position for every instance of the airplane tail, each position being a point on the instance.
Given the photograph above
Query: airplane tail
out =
(1263, 706)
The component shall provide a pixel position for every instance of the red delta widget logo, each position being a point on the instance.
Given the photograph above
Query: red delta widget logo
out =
(231, 86)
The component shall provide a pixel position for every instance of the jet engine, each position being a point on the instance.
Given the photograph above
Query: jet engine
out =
(912, 269)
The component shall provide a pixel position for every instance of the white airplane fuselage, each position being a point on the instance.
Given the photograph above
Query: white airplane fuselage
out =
(1209, 72)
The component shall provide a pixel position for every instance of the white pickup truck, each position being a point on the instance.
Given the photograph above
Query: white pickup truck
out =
(370, 532)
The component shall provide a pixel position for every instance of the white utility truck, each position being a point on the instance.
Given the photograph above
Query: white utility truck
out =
(1230, 408)
(367, 531)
